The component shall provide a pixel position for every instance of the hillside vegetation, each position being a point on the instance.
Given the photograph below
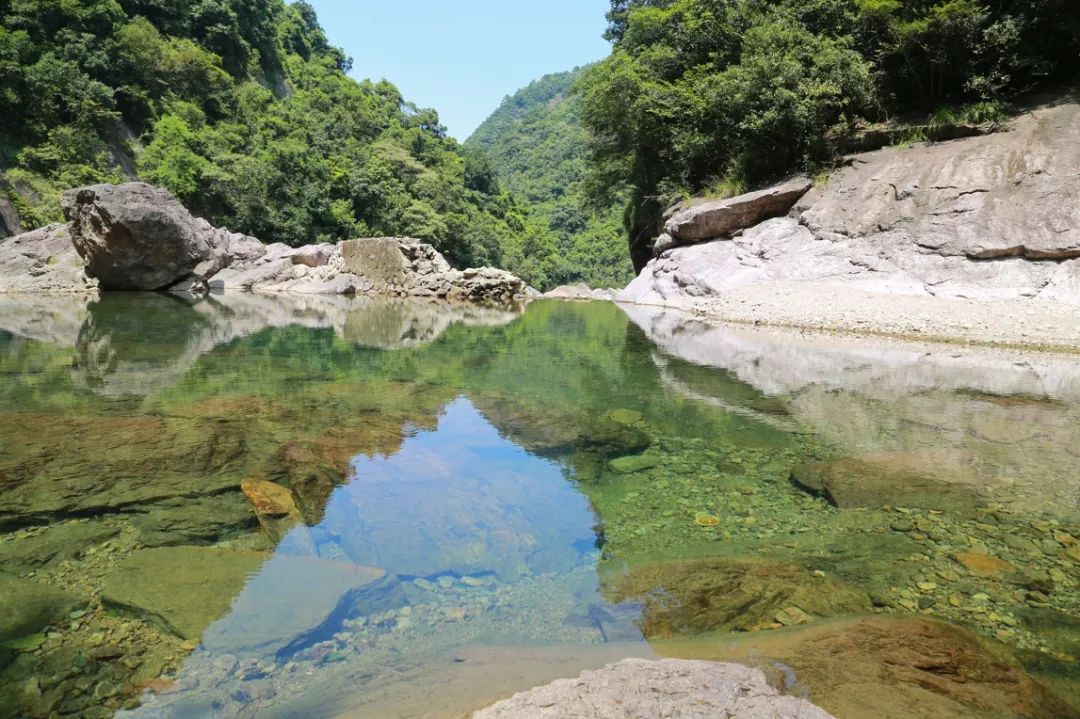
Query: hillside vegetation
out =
(244, 111)
(715, 96)
(538, 148)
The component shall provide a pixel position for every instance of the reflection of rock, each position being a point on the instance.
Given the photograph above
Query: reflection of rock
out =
(293, 602)
(888, 668)
(690, 597)
(27, 607)
(1010, 421)
(655, 689)
(115, 358)
(183, 589)
(924, 479)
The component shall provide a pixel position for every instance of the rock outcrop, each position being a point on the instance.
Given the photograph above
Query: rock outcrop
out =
(43, 260)
(984, 217)
(721, 218)
(138, 237)
(580, 291)
(642, 689)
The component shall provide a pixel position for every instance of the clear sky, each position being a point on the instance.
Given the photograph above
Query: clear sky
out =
(462, 57)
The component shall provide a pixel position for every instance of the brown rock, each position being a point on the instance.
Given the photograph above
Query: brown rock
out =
(890, 668)
(982, 564)
(690, 597)
(930, 479)
(268, 499)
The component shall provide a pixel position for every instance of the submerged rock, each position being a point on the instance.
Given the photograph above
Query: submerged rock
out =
(27, 607)
(890, 668)
(695, 596)
(67, 540)
(642, 689)
(928, 479)
(181, 589)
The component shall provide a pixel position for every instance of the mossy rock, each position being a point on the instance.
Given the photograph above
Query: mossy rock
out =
(636, 463)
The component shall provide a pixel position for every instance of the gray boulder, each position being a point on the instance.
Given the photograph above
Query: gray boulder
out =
(720, 218)
(642, 689)
(580, 291)
(43, 260)
(134, 236)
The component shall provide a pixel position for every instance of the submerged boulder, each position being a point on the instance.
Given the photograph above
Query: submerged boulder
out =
(643, 689)
(134, 236)
(695, 596)
(26, 606)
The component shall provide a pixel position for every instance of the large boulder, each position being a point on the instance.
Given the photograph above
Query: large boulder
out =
(43, 260)
(720, 218)
(134, 236)
(643, 689)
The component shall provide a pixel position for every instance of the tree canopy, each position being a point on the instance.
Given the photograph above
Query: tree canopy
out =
(714, 95)
(537, 147)
(242, 109)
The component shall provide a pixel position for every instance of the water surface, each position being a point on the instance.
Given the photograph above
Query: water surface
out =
(302, 507)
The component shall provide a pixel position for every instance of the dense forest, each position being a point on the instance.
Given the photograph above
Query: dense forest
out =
(713, 96)
(537, 146)
(244, 111)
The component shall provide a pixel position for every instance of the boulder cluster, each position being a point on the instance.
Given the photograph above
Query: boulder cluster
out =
(138, 237)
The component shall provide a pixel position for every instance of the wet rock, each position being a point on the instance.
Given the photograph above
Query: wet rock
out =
(26, 607)
(892, 668)
(133, 236)
(199, 520)
(982, 564)
(655, 689)
(60, 542)
(637, 463)
(720, 218)
(690, 597)
(273, 505)
(928, 479)
(181, 589)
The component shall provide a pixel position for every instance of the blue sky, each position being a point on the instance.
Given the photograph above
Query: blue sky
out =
(462, 57)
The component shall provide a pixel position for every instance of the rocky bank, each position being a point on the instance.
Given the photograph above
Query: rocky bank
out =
(138, 237)
(977, 238)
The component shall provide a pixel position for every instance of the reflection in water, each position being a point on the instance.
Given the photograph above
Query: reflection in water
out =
(476, 541)
(284, 507)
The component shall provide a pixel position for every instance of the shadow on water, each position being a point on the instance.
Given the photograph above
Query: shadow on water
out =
(279, 507)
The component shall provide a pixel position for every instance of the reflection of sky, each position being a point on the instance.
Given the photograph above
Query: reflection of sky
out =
(459, 500)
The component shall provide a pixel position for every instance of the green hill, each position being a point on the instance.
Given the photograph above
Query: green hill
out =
(538, 149)
(244, 111)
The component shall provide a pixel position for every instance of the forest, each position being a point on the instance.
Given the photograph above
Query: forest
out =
(246, 112)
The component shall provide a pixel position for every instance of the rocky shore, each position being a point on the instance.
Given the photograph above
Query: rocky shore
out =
(138, 237)
(975, 240)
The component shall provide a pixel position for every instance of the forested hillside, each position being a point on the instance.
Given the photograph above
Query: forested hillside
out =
(708, 96)
(244, 111)
(538, 148)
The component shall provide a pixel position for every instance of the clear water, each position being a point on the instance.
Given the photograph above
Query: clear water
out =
(448, 504)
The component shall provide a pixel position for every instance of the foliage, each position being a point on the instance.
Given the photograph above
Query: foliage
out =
(244, 111)
(536, 145)
(710, 95)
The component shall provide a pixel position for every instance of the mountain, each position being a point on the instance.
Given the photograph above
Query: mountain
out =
(537, 147)
(244, 111)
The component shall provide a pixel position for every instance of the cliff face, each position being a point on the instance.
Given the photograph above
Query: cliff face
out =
(996, 216)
